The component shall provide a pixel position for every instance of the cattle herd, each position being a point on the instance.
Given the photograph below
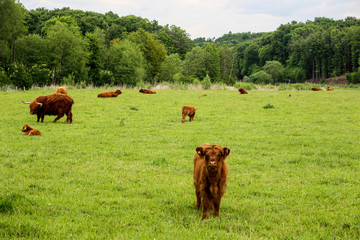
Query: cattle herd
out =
(210, 168)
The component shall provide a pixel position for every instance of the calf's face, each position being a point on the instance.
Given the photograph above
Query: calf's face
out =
(214, 156)
(25, 128)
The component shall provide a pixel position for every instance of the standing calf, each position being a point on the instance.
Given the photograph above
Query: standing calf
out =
(210, 177)
(188, 111)
(30, 131)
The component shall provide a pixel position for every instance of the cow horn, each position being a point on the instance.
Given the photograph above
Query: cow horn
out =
(26, 102)
(40, 104)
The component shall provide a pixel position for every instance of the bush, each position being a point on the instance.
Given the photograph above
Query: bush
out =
(206, 82)
(4, 80)
(262, 77)
(20, 77)
(245, 85)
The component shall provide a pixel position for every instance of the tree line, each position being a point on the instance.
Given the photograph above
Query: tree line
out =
(64, 46)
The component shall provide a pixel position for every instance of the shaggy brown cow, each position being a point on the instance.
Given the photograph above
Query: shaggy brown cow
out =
(210, 177)
(110, 94)
(61, 90)
(330, 89)
(242, 91)
(30, 131)
(147, 91)
(316, 89)
(53, 104)
(188, 111)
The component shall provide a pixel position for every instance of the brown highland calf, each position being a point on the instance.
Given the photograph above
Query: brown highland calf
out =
(30, 131)
(53, 104)
(330, 89)
(188, 111)
(316, 89)
(147, 91)
(109, 94)
(210, 177)
(242, 91)
(61, 90)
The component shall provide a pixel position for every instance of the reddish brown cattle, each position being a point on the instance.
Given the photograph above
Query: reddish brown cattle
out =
(147, 91)
(61, 90)
(53, 104)
(330, 89)
(210, 177)
(110, 94)
(316, 89)
(204, 95)
(242, 91)
(30, 131)
(188, 111)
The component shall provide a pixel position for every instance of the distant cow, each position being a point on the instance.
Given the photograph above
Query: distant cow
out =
(147, 91)
(204, 95)
(53, 104)
(61, 90)
(242, 91)
(330, 89)
(110, 94)
(188, 111)
(30, 131)
(210, 177)
(316, 89)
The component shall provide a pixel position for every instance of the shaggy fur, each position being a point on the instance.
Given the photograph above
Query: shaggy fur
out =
(110, 94)
(210, 177)
(330, 89)
(30, 131)
(61, 90)
(242, 91)
(53, 104)
(188, 111)
(147, 91)
(316, 89)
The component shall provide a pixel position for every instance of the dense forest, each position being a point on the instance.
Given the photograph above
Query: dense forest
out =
(64, 46)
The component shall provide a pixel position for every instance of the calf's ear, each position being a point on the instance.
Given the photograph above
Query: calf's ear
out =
(199, 151)
(226, 151)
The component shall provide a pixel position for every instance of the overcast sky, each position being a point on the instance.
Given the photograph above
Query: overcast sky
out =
(214, 18)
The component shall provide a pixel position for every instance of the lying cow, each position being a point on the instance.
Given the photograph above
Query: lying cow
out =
(188, 111)
(316, 89)
(330, 89)
(110, 94)
(61, 90)
(53, 104)
(242, 91)
(210, 177)
(30, 131)
(147, 91)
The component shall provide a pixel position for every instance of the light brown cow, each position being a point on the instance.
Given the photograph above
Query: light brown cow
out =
(188, 111)
(330, 89)
(242, 91)
(316, 89)
(109, 94)
(147, 91)
(30, 131)
(210, 177)
(61, 90)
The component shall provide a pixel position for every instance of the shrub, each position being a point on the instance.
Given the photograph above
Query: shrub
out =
(262, 77)
(206, 82)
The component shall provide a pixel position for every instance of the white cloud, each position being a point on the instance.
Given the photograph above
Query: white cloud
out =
(213, 18)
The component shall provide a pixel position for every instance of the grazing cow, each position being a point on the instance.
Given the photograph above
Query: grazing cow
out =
(30, 131)
(316, 89)
(188, 111)
(53, 104)
(242, 91)
(110, 94)
(330, 89)
(61, 90)
(147, 91)
(210, 177)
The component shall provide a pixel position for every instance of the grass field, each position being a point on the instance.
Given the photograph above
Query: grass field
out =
(123, 169)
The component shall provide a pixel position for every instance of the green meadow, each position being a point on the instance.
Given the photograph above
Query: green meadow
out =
(123, 168)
